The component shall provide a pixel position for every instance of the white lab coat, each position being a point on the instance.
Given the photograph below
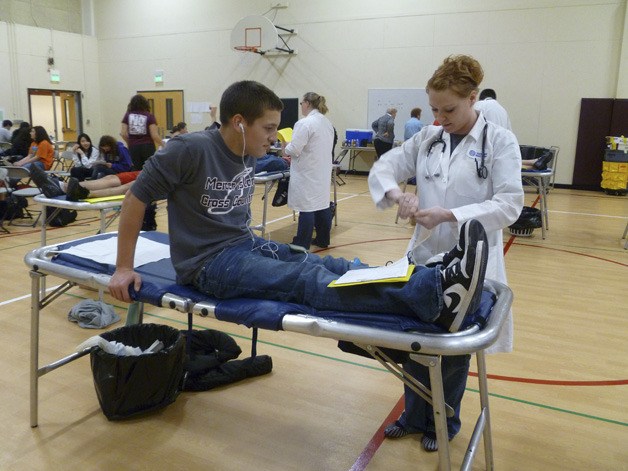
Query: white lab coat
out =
(496, 201)
(494, 112)
(310, 167)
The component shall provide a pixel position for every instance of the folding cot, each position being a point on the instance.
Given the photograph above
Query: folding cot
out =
(268, 179)
(374, 333)
(60, 203)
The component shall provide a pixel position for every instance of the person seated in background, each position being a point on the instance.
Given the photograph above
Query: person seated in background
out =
(109, 185)
(178, 129)
(85, 157)
(20, 143)
(115, 158)
(271, 163)
(539, 163)
(41, 152)
(5, 131)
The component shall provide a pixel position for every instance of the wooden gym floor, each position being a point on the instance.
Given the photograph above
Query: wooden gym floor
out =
(559, 401)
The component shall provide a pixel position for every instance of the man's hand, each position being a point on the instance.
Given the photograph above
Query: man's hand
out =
(432, 217)
(120, 282)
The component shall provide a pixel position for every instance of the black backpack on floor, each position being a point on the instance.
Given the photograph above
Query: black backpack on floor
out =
(62, 218)
(13, 208)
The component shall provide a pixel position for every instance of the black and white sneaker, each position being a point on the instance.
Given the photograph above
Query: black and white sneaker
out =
(463, 281)
(446, 259)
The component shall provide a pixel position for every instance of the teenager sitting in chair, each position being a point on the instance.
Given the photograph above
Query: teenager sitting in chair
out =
(41, 152)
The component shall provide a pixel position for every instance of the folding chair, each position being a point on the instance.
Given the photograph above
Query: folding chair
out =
(4, 190)
(66, 160)
(542, 181)
(22, 174)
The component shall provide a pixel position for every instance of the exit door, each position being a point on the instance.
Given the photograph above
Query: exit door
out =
(167, 106)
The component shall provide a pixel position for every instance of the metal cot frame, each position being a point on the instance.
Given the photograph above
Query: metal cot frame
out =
(103, 207)
(424, 348)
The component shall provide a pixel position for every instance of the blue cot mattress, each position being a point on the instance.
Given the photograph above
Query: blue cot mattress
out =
(158, 278)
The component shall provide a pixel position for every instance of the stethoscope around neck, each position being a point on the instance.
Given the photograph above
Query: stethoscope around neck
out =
(480, 167)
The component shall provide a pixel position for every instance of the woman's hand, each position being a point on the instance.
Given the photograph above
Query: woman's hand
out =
(432, 217)
(408, 202)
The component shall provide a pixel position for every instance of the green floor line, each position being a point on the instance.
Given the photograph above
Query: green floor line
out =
(499, 396)
(558, 409)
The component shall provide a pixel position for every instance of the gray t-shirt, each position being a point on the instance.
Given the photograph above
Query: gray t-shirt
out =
(209, 191)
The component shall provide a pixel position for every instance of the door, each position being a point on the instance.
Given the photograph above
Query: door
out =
(167, 106)
(69, 112)
(58, 111)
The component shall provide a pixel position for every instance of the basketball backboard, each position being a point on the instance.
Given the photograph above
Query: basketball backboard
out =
(254, 33)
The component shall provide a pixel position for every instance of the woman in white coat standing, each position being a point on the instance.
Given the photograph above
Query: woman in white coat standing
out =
(466, 168)
(310, 152)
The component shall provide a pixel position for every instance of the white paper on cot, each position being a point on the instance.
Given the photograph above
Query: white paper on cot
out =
(105, 251)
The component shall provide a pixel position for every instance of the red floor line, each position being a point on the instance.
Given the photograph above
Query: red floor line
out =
(573, 252)
(555, 382)
(371, 448)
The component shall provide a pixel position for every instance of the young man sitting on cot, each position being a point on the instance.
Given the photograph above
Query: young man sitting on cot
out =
(207, 178)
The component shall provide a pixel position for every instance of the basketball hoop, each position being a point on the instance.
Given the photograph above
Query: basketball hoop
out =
(247, 49)
(259, 35)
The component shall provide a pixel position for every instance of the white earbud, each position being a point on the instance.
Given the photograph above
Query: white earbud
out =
(241, 127)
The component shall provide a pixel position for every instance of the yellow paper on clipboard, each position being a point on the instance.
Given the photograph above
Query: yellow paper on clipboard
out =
(398, 272)
(102, 199)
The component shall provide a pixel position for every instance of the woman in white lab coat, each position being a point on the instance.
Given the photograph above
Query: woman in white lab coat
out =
(310, 152)
(466, 168)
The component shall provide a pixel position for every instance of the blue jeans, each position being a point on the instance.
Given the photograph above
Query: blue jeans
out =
(261, 269)
(418, 415)
(321, 220)
(30, 164)
(270, 163)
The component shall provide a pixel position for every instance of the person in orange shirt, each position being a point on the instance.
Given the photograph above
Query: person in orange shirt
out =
(41, 152)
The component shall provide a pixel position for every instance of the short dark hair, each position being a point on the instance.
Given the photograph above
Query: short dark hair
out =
(7, 122)
(248, 98)
(488, 93)
(416, 112)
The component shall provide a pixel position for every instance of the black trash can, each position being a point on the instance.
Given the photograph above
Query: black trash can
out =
(131, 385)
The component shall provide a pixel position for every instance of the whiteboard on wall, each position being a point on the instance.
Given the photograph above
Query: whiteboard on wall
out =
(404, 99)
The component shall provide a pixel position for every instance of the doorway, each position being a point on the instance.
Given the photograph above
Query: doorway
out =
(167, 107)
(58, 111)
